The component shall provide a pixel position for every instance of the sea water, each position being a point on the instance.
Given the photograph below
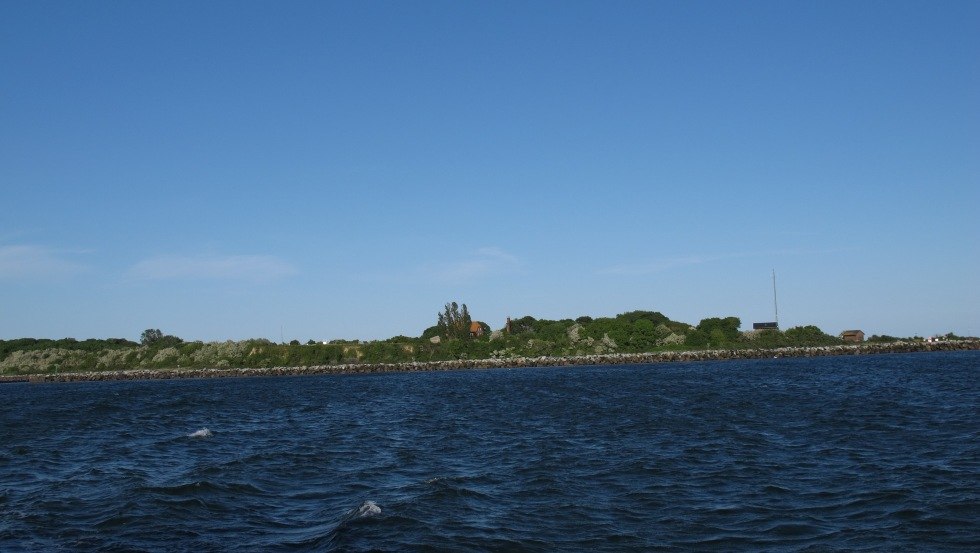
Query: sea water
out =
(876, 453)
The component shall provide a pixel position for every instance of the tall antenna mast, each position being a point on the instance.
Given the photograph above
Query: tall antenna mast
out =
(775, 304)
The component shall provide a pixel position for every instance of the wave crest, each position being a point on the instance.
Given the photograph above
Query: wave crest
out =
(367, 509)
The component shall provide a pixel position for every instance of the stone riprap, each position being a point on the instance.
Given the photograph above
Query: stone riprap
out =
(514, 362)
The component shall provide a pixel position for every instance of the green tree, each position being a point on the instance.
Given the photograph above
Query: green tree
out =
(643, 336)
(696, 339)
(810, 335)
(770, 338)
(168, 341)
(718, 338)
(150, 336)
(523, 325)
(727, 330)
(654, 317)
(454, 322)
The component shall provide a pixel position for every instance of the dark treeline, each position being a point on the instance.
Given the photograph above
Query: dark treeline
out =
(454, 336)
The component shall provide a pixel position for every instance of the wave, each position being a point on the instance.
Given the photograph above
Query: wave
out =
(538, 473)
(343, 534)
(366, 509)
(443, 488)
(206, 488)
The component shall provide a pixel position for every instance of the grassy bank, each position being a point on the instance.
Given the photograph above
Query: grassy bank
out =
(633, 333)
(517, 362)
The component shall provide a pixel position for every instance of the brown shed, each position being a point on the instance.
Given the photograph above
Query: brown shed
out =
(852, 336)
(476, 329)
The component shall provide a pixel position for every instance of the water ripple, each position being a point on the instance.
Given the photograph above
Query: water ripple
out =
(828, 454)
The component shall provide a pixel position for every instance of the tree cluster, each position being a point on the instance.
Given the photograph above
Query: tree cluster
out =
(715, 332)
(152, 337)
(454, 322)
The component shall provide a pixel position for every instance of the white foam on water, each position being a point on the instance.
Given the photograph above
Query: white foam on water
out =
(202, 433)
(368, 509)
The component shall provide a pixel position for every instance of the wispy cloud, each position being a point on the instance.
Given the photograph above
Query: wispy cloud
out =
(668, 263)
(254, 268)
(664, 264)
(30, 261)
(481, 263)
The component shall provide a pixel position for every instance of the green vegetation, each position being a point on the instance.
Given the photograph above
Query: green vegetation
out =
(449, 338)
(153, 337)
(454, 323)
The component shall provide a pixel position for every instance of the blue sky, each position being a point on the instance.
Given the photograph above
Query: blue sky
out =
(227, 170)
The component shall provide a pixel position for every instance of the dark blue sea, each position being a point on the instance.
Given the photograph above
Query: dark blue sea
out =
(873, 453)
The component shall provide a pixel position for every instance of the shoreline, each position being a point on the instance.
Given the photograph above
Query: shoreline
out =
(502, 363)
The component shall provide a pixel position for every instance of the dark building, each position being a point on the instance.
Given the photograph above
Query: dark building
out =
(765, 326)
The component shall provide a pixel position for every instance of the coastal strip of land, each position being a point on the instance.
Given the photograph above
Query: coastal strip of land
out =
(513, 362)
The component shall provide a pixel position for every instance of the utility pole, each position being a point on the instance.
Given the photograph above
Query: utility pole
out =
(775, 304)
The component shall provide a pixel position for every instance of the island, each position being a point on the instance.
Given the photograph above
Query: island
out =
(455, 342)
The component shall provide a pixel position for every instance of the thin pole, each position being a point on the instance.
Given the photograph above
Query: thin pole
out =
(775, 304)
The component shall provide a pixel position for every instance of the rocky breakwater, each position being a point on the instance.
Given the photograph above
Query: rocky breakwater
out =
(513, 362)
